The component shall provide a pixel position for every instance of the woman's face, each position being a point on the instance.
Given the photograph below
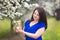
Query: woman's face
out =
(36, 15)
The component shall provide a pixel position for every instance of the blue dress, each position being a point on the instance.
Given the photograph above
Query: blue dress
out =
(33, 29)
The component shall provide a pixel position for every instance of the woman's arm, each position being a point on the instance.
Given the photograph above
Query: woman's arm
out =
(36, 35)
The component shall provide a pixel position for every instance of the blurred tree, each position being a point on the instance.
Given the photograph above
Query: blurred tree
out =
(57, 13)
(11, 8)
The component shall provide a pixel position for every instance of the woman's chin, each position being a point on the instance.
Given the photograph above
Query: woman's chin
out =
(34, 18)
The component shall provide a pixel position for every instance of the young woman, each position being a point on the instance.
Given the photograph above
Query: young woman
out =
(35, 27)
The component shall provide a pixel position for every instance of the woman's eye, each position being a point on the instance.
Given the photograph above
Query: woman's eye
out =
(35, 13)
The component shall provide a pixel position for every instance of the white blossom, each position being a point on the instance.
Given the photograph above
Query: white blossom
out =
(1, 17)
(18, 14)
(26, 5)
(27, 0)
(21, 8)
(49, 7)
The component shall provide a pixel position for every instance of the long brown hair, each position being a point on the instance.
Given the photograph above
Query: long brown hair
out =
(42, 15)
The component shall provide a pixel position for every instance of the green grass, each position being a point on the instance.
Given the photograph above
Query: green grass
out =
(53, 30)
(4, 27)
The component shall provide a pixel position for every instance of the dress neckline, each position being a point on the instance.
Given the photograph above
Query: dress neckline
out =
(33, 24)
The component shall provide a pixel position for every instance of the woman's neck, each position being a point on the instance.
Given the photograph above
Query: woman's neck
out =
(35, 20)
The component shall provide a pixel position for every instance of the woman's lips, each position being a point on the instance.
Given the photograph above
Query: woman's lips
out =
(35, 17)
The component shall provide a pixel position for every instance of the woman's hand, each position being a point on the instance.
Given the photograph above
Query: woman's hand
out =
(16, 29)
(19, 30)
